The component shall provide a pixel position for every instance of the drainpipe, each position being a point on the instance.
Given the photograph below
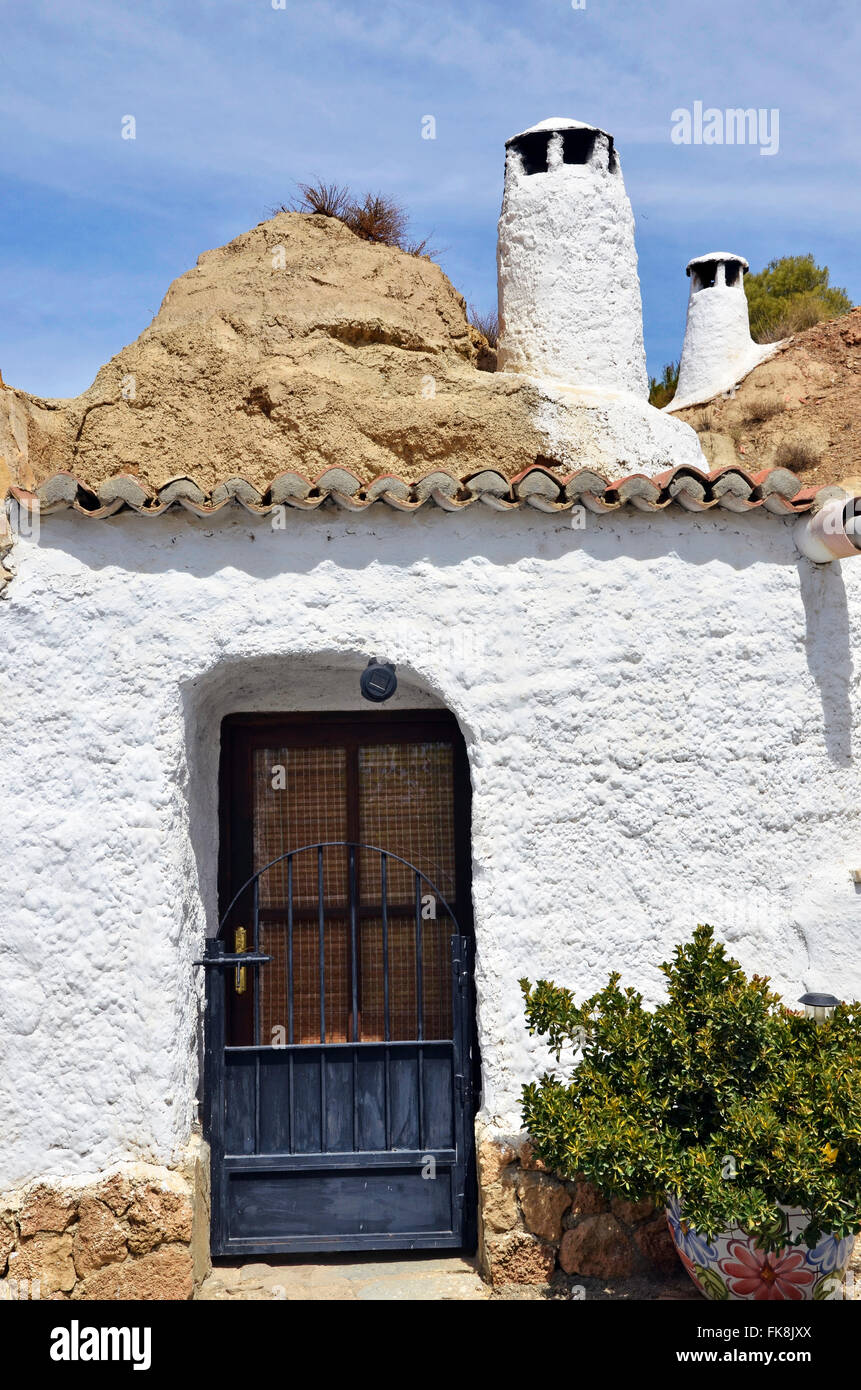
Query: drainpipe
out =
(832, 533)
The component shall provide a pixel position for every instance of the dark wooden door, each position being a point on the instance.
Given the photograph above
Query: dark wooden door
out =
(341, 1067)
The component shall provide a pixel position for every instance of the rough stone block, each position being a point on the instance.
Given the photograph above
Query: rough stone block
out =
(631, 1213)
(494, 1156)
(544, 1201)
(46, 1209)
(586, 1200)
(8, 1238)
(164, 1274)
(519, 1258)
(529, 1159)
(598, 1248)
(100, 1239)
(158, 1216)
(48, 1259)
(116, 1192)
(656, 1245)
(499, 1207)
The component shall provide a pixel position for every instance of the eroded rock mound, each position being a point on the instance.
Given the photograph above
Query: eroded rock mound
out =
(300, 346)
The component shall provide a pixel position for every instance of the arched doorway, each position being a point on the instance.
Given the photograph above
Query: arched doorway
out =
(339, 1060)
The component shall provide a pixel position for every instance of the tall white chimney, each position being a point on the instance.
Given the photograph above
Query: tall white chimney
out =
(569, 293)
(718, 349)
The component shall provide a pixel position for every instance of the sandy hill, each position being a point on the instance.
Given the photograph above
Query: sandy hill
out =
(799, 410)
(300, 347)
(296, 346)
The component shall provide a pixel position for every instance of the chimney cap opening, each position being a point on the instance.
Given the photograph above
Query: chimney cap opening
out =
(553, 124)
(715, 258)
(533, 149)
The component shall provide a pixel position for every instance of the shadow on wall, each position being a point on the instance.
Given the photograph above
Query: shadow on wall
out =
(250, 546)
(829, 652)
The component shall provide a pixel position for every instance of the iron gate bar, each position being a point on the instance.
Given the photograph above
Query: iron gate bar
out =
(321, 929)
(288, 989)
(322, 912)
(330, 844)
(304, 1047)
(288, 963)
(384, 1158)
(387, 1077)
(309, 914)
(354, 973)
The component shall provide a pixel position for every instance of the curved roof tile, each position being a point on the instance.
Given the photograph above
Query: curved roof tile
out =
(777, 490)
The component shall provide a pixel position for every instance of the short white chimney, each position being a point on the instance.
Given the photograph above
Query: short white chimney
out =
(718, 350)
(569, 293)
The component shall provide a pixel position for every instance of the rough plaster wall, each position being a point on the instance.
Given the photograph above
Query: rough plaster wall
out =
(718, 350)
(658, 713)
(569, 293)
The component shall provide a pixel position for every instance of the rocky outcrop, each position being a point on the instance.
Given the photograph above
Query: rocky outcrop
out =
(299, 346)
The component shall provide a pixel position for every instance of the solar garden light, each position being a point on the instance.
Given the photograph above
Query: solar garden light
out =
(378, 681)
(819, 1007)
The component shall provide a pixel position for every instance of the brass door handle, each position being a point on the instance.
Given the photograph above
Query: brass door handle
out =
(240, 946)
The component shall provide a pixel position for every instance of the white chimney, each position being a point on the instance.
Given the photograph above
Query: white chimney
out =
(718, 349)
(569, 293)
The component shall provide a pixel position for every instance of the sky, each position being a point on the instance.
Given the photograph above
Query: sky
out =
(235, 101)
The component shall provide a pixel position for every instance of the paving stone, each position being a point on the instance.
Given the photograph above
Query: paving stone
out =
(228, 1275)
(337, 1290)
(445, 1279)
(431, 1288)
(254, 1274)
(406, 1269)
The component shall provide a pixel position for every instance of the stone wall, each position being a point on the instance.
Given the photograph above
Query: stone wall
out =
(140, 1233)
(532, 1222)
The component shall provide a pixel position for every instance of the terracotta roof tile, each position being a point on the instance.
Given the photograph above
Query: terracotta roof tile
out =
(776, 489)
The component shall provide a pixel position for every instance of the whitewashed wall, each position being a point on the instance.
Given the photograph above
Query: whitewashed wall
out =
(659, 715)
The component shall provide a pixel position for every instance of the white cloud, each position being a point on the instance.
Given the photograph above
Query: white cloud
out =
(234, 101)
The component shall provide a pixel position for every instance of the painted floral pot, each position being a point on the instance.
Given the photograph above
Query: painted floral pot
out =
(732, 1267)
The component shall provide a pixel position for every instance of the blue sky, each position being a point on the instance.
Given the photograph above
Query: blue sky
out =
(234, 101)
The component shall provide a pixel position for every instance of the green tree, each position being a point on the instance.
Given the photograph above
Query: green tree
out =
(662, 388)
(790, 294)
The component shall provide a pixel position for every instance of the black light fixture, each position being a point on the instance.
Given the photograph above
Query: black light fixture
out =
(378, 681)
(819, 1007)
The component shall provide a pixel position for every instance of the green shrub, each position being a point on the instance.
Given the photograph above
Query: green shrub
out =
(792, 293)
(663, 388)
(721, 1079)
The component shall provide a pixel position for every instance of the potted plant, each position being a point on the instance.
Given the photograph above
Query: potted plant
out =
(739, 1114)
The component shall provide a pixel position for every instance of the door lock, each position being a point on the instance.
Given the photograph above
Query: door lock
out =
(240, 946)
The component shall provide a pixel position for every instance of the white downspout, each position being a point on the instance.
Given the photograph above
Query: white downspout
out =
(831, 534)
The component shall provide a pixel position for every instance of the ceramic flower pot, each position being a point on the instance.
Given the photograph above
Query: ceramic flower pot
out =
(732, 1267)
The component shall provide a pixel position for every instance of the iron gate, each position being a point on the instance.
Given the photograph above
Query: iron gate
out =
(330, 1129)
